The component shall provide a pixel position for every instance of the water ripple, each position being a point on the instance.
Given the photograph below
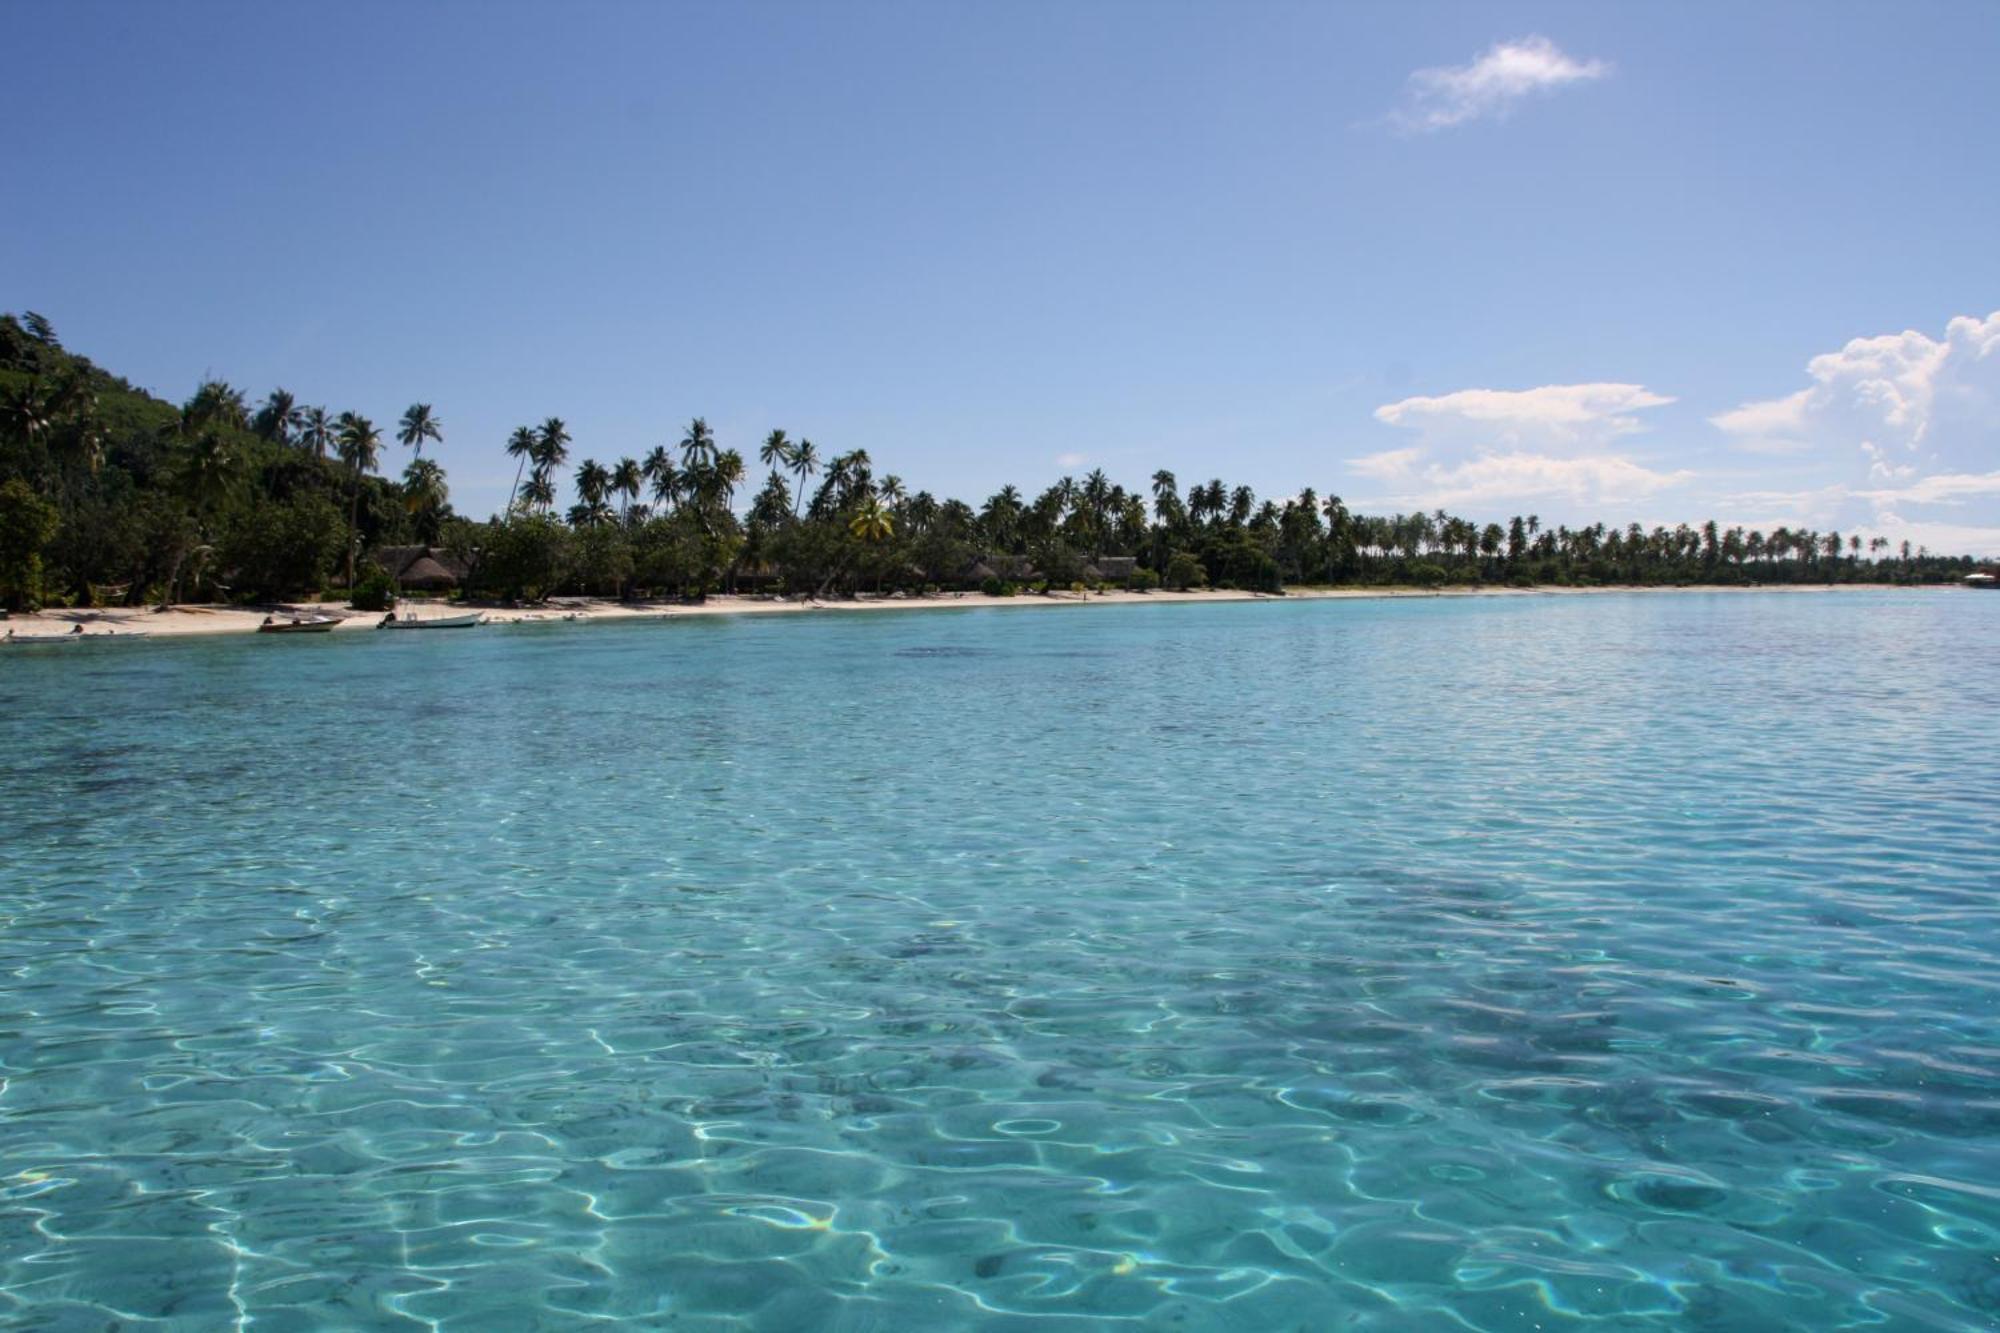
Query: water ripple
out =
(1624, 960)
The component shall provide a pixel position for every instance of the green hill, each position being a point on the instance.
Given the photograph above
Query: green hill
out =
(109, 494)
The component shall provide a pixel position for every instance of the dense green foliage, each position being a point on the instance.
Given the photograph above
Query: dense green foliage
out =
(211, 499)
(107, 493)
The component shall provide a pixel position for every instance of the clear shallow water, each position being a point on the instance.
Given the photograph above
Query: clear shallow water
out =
(1624, 961)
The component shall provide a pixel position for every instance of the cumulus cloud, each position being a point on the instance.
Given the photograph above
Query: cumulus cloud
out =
(1899, 430)
(1895, 435)
(1484, 447)
(1493, 84)
(1899, 391)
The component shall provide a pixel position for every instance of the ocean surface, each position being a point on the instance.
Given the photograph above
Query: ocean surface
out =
(1622, 962)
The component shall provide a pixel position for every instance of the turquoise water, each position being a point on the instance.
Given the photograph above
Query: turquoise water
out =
(1621, 962)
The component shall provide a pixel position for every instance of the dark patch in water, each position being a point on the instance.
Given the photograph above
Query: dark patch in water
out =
(944, 651)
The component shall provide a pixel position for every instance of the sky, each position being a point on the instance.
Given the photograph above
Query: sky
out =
(1653, 263)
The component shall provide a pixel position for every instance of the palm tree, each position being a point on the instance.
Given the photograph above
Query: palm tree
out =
(419, 424)
(728, 474)
(661, 472)
(628, 480)
(551, 451)
(216, 403)
(206, 471)
(833, 487)
(522, 444)
(776, 451)
(41, 330)
(1197, 503)
(25, 413)
(538, 492)
(857, 476)
(804, 463)
(316, 431)
(1001, 516)
(593, 481)
(424, 495)
(359, 443)
(698, 445)
(871, 522)
(551, 446)
(278, 417)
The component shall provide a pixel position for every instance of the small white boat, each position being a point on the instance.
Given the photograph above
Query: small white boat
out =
(298, 625)
(1982, 580)
(406, 621)
(15, 636)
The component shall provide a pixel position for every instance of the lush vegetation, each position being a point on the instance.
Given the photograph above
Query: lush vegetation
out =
(110, 494)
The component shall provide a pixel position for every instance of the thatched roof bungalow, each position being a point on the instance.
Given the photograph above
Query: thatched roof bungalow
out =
(1116, 568)
(425, 574)
(422, 568)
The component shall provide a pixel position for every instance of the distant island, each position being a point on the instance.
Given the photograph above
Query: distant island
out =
(110, 496)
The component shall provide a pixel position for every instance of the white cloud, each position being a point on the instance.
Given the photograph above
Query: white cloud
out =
(1389, 465)
(1773, 427)
(1553, 416)
(1897, 433)
(1500, 78)
(1904, 391)
(1071, 460)
(1484, 447)
(1981, 543)
(1940, 489)
(1490, 479)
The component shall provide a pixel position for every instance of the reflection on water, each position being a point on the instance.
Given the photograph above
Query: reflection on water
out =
(1484, 963)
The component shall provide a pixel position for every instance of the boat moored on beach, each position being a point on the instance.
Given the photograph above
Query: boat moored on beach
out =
(71, 636)
(298, 625)
(407, 620)
(1982, 580)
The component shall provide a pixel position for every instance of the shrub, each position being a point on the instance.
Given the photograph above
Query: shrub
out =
(1009, 589)
(1184, 571)
(1426, 575)
(373, 591)
(992, 586)
(1143, 580)
(283, 548)
(27, 522)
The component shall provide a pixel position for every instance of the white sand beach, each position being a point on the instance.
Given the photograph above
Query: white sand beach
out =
(178, 621)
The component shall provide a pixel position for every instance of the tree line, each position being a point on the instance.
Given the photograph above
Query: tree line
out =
(108, 494)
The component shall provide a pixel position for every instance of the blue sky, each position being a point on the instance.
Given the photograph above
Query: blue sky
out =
(1589, 260)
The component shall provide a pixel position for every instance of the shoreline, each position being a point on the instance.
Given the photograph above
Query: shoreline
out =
(194, 620)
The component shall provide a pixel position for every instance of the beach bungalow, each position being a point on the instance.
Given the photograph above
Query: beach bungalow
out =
(1011, 568)
(1117, 569)
(422, 568)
